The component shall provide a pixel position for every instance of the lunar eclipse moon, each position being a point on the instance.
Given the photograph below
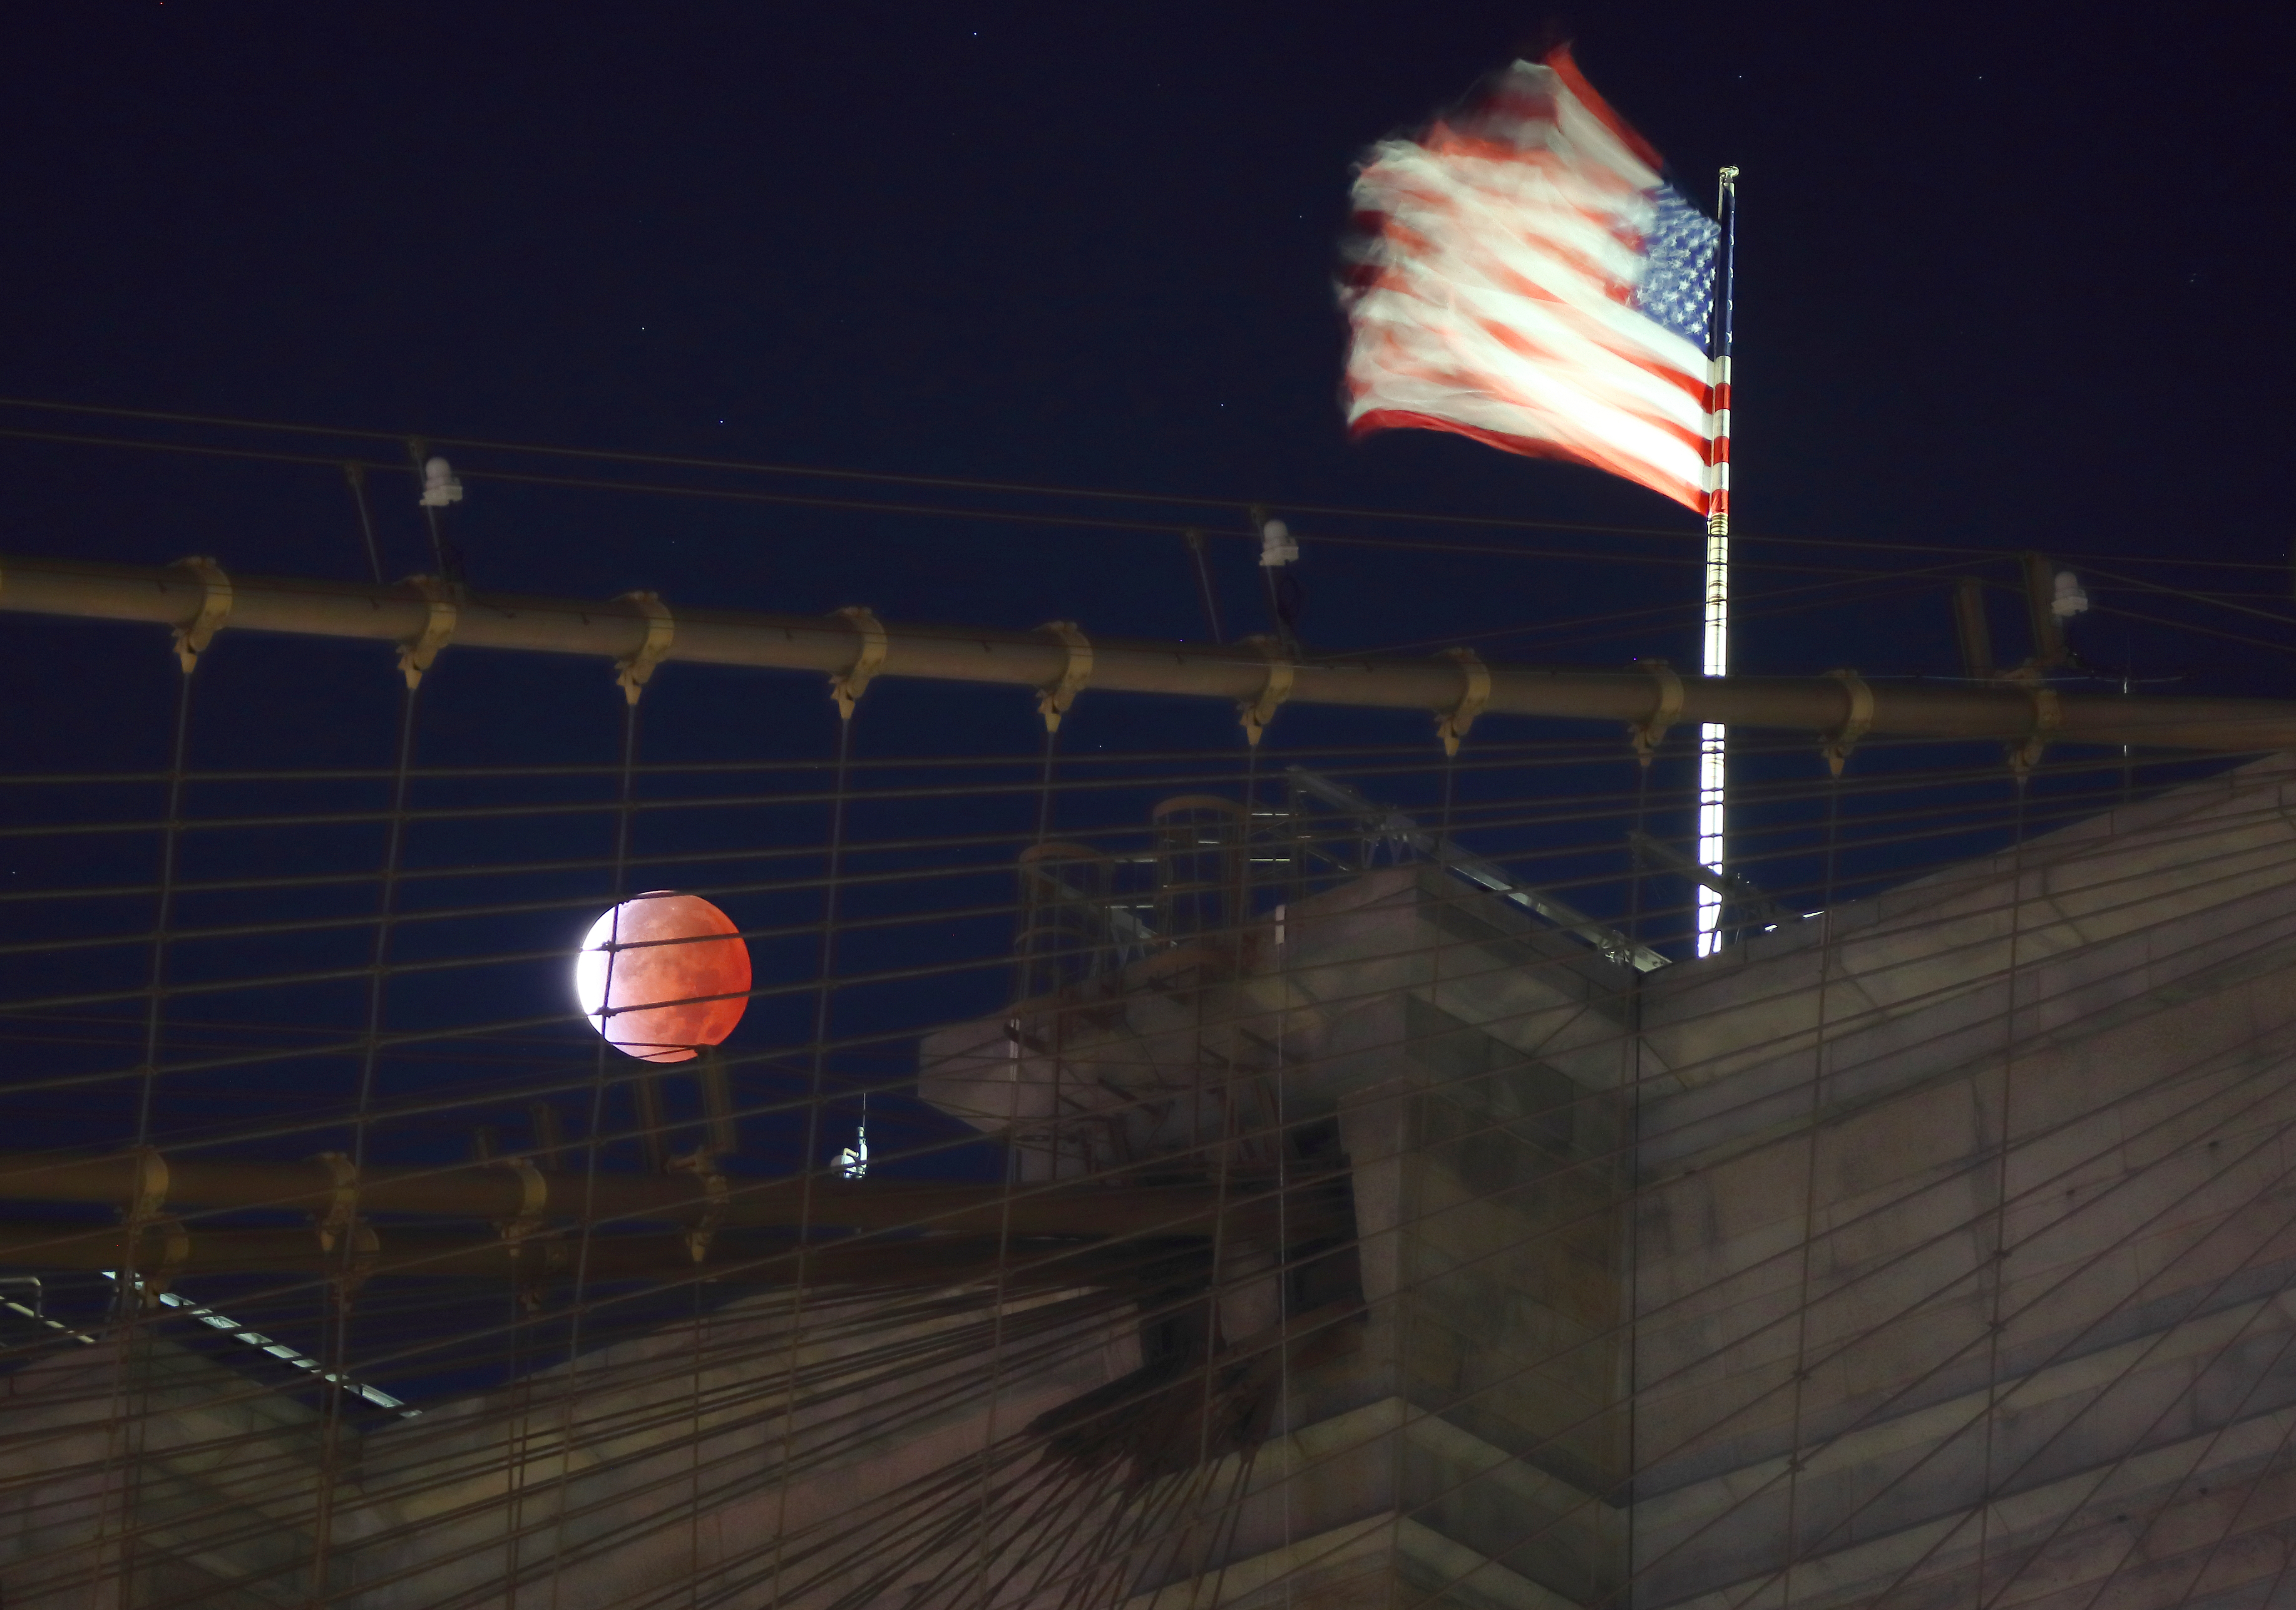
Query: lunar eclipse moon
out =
(663, 974)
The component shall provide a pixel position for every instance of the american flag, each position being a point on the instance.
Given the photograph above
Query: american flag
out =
(1526, 276)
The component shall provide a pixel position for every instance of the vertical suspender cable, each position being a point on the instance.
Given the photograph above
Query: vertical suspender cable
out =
(121, 1469)
(1997, 1275)
(568, 1388)
(824, 1009)
(1814, 1125)
(338, 1291)
(354, 474)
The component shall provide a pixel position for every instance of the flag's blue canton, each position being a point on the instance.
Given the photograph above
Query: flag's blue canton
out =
(1677, 288)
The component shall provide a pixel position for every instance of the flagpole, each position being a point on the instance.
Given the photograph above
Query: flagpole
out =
(1713, 803)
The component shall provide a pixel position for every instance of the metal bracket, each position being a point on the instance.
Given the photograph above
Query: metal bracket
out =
(416, 653)
(633, 673)
(1052, 700)
(704, 1167)
(2049, 715)
(532, 1264)
(847, 689)
(175, 1252)
(342, 1202)
(1649, 734)
(533, 1196)
(364, 1247)
(1282, 671)
(1836, 748)
(151, 1186)
(534, 1257)
(144, 1212)
(215, 608)
(1454, 727)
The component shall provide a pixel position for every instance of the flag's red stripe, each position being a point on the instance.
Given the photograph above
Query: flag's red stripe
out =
(1528, 446)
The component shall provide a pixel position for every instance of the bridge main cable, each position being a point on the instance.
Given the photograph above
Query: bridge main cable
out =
(200, 600)
(142, 1183)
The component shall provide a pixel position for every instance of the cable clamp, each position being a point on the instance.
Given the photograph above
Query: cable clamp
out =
(716, 1195)
(1854, 726)
(342, 1198)
(847, 689)
(2049, 715)
(533, 1196)
(534, 1256)
(532, 1264)
(147, 1195)
(633, 673)
(362, 1248)
(1053, 699)
(416, 653)
(367, 1248)
(175, 1252)
(1649, 734)
(1282, 671)
(1452, 727)
(151, 1188)
(215, 608)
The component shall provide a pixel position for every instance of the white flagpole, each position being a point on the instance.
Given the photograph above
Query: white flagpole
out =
(1712, 740)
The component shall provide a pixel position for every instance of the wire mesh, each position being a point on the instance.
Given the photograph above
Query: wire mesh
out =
(1311, 1172)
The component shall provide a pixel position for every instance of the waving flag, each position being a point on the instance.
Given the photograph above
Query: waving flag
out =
(1526, 276)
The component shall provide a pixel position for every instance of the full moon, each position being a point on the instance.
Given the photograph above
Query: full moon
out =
(663, 975)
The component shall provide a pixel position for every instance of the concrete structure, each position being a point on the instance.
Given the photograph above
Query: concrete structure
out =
(1982, 1188)
(1952, 1264)
(1936, 1249)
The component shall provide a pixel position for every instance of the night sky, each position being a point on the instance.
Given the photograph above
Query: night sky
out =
(2006, 282)
(2002, 285)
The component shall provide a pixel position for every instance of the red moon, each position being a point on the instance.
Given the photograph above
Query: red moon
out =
(663, 947)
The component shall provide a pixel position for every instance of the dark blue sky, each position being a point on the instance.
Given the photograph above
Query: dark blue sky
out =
(2006, 281)
(2003, 283)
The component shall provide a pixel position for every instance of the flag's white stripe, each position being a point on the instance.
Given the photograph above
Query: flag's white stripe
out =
(1460, 341)
(1475, 236)
(1527, 231)
(1483, 274)
(1581, 395)
(1585, 367)
(1432, 291)
(1575, 392)
(1553, 412)
(1599, 143)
